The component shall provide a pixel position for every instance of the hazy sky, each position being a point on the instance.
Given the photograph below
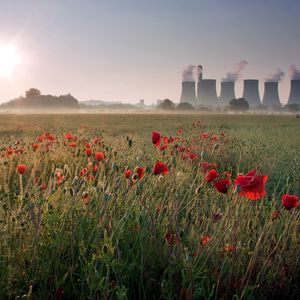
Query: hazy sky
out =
(136, 49)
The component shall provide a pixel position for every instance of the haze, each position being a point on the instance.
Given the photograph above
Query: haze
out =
(131, 50)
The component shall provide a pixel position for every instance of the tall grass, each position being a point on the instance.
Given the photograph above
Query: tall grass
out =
(112, 238)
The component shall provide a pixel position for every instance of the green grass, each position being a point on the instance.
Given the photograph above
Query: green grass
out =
(114, 247)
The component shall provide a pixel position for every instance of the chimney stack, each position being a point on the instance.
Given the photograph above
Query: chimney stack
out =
(294, 97)
(271, 96)
(188, 93)
(227, 92)
(251, 93)
(207, 93)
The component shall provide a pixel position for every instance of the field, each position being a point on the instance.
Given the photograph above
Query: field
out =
(86, 212)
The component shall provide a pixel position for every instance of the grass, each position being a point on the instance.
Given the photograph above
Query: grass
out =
(66, 236)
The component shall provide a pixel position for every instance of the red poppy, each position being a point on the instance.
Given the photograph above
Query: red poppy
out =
(9, 151)
(85, 198)
(290, 201)
(205, 166)
(211, 175)
(68, 136)
(222, 185)
(88, 152)
(59, 177)
(166, 140)
(205, 239)
(171, 238)
(35, 146)
(163, 147)
(229, 248)
(156, 138)
(252, 186)
(205, 135)
(99, 156)
(160, 168)
(193, 156)
(73, 144)
(127, 173)
(83, 172)
(21, 168)
(140, 172)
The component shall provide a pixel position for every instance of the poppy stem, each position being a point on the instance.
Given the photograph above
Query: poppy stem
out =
(21, 184)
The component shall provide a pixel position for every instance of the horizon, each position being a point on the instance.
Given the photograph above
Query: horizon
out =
(137, 50)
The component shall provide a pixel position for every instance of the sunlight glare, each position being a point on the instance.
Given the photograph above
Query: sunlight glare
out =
(9, 59)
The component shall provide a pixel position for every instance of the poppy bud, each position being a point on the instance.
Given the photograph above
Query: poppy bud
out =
(99, 156)
(21, 169)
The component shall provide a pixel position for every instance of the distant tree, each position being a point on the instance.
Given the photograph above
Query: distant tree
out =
(32, 93)
(239, 104)
(167, 104)
(185, 106)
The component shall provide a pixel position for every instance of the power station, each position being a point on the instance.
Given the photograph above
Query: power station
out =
(207, 93)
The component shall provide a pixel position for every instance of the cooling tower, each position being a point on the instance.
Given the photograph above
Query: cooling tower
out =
(227, 92)
(271, 96)
(251, 93)
(188, 93)
(294, 97)
(207, 93)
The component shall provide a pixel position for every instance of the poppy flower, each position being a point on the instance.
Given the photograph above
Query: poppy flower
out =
(85, 198)
(127, 173)
(205, 239)
(211, 175)
(156, 138)
(171, 238)
(83, 172)
(88, 152)
(166, 140)
(251, 186)
(95, 168)
(68, 136)
(99, 156)
(140, 172)
(205, 166)
(205, 135)
(229, 248)
(290, 201)
(193, 156)
(9, 152)
(21, 168)
(222, 185)
(72, 144)
(163, 147)
(160, 168)
(35, 146)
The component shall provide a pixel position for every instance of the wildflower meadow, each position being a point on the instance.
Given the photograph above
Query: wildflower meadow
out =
(149, 206)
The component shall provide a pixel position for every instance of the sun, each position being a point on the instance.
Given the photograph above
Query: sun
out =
(9, 59)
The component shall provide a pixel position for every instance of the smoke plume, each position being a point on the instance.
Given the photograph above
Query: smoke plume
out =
(276, 76)
(234, 76)
(188, 73)
(294, 72)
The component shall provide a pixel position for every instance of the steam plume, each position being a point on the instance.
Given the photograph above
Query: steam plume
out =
(276, 76)
(234, 76)
(188, 73)
(294, 72)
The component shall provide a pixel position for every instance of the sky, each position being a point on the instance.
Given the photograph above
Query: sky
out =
(128, 50)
